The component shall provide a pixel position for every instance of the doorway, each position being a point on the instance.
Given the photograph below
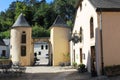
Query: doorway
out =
(3, 53)
(93, 61)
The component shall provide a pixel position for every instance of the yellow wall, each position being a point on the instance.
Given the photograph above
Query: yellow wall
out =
(15, 50)
(111, 38)
(60, 44)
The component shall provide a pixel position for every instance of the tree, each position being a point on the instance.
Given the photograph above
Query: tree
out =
(65, 8)
(45, 15)
(5, 34)
(40, 32)
(38, 13)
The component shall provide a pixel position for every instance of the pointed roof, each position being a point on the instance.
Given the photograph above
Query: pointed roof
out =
(21, 22)
(6, 41)
(59, 22)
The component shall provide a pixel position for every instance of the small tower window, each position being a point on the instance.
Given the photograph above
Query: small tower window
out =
(23, 50)
(23, 37)
(91, 28)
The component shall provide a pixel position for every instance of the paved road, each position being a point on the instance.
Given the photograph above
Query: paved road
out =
(43, 73)
(55, 73)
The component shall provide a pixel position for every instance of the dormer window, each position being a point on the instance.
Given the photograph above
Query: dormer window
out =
(91, 28)
(23, 37)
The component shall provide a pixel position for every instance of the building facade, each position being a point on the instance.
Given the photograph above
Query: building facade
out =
(41, 52)
(2, 49)
(96, 34)
(59, 38)
(7, 44)
(21, 47)
(26, 50)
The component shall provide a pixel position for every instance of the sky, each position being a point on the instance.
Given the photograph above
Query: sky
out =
(4, 4)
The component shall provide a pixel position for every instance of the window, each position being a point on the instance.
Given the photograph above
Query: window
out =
(81, 34)
(74, 56)
(39, 53)
(23, 50)
(3, 53)
(46, 47)
(23, 37)
(91, 28)
(81, 57)
(41, 46)
(35, 54)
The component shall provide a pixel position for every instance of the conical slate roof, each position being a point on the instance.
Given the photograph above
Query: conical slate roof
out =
(21, 22)
(59, 22)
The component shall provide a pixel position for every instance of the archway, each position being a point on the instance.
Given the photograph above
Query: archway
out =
(42, 51)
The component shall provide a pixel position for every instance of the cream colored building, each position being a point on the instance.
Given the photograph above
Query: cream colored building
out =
(95, 36)
(22, 44)
(21, 48)
(59, 38)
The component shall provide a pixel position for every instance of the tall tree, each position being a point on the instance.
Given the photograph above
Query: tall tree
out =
(38, 13)
(65, 8)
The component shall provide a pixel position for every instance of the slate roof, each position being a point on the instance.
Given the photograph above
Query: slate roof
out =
(106, 4)
(2, 42)
(6, 41)
(59, 22)
(21, 22)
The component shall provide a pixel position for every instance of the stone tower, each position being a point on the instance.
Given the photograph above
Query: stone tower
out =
(59, 37)
(21, 42)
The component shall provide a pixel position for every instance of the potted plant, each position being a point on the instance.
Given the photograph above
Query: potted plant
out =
(81, 68)
(74, 64)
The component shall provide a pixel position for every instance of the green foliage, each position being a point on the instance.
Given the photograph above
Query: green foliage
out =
(38, 13)
(40, 32)
(81, 68)
(5, 34)
(74, 64)
(67, 57)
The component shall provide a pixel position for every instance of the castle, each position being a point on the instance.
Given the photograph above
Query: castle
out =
(22, 43)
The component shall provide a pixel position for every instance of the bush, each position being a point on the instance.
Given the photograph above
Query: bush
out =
(81, 68)
(74, 64)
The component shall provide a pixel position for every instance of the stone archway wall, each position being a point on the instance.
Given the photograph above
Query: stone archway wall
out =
(45, 39)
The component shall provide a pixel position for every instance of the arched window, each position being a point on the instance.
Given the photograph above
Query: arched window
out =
(81, 34)
(91, 28)
(23, 37)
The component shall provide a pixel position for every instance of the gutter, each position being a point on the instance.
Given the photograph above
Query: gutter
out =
(101, 41)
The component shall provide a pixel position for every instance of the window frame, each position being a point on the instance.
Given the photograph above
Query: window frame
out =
(91, 27)
(23, 37)
(23, 50)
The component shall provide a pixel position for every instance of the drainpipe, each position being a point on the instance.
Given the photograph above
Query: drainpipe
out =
(101, 37)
